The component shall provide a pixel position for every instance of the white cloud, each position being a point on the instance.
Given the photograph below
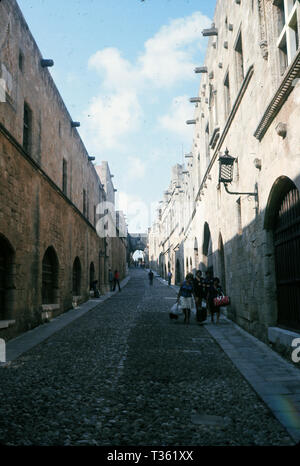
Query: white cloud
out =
(136, 168)
(168, 59)
(110, 117)
(169, 55)
(138, 213)
(174, 121)
(116, 73)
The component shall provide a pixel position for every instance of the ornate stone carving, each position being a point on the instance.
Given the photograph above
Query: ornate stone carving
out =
(263, 31)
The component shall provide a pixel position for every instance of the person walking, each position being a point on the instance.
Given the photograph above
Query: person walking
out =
(214, 291)
(169, 277)
(151, 276)
(111, 279)
(185, 296)
(199, 293)
(116, 280)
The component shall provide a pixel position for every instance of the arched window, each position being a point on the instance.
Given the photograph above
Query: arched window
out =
(76, 277)
(49, 277)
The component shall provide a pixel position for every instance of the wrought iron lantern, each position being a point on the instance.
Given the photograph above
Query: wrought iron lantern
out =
(226, 162)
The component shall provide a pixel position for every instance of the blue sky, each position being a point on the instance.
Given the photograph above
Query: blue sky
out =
(125, 70)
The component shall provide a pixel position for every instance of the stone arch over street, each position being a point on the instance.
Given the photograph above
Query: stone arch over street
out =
(137, 242)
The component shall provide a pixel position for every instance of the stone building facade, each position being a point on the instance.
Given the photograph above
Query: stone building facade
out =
(50, 192)
(248, 106)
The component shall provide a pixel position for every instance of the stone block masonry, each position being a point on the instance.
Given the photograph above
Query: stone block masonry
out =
(50, 252)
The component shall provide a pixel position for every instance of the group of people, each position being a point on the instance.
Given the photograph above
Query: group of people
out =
(203, 290)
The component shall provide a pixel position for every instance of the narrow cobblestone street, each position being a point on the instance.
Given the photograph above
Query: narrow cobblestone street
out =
(124, 374)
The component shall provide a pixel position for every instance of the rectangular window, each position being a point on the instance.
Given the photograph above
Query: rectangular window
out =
(239, 60)
(288, 32)
(27, 129)
(65, 176)
(227, 95)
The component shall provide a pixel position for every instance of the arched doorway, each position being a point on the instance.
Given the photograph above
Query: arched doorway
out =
(50, 277)
(178, 273)
(92, 274)
(76, 277)
(286, 235)
(207, 249)
(196, 255)
(6, 278)
(222, 272)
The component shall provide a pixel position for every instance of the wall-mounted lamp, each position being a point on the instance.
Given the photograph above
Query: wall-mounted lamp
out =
(226, 162)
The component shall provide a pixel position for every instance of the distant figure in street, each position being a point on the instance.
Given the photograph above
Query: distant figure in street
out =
(169, 277)
(151, 276)
(185, 296)
(111, 279)
(116, 280)
(214, 291)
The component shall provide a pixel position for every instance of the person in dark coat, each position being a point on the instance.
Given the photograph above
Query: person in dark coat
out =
(215, 290)
(151, 276)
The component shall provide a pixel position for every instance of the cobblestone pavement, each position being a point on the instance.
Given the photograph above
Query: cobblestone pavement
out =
(124, 374)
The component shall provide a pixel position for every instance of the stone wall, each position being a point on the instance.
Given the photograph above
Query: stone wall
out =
(49, 192)
(256, 117)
